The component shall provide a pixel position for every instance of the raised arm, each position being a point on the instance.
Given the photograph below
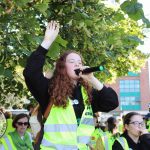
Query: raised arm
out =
(33, 72)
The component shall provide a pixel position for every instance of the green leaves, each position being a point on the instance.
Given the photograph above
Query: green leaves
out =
(99, 33)
(1, 70)
(134, 11)
(54, 51)
(42, 7)
(55, 48)
(61, 41)
(21, 3)
(135, 39)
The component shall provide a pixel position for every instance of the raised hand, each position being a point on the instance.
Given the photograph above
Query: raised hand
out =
(52, 30)
(51, 33)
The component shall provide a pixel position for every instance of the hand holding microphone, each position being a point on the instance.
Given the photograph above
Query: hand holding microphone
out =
(143, 131)
(86, 74)
(89, 70)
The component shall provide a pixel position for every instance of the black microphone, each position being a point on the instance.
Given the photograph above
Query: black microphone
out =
(89, 70)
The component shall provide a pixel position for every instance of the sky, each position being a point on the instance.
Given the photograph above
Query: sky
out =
(146, 47)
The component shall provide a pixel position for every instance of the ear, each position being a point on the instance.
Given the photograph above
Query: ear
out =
(126, 126)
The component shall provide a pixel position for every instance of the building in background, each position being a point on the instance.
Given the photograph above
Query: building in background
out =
(133, 91)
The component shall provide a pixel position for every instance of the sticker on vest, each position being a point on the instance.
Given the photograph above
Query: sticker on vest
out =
(89, 114)
(75, 102)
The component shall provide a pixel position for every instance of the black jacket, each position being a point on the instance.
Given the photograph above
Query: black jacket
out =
(104, 100)
(143, 144)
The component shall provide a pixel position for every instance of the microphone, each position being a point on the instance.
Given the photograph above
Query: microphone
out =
(89, 70)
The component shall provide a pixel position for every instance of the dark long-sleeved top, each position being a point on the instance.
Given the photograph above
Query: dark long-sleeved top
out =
(143, 144)
(104, 100)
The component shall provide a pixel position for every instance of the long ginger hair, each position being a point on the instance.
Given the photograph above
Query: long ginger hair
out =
(61, 85)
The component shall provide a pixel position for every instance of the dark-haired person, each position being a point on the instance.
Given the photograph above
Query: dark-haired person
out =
(18, 139)
(74, 98)
(106, 140)
(135, 136)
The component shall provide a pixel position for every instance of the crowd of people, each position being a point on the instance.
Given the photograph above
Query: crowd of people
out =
(69, 103)
(114, 134)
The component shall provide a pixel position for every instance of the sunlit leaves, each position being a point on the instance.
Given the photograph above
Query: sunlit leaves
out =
(21, 3)
(134, 11)
(100, 34)
(42, 7)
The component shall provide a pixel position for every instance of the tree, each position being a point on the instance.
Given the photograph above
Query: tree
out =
(103, 35)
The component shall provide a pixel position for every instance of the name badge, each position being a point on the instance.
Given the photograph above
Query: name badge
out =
(75, 102)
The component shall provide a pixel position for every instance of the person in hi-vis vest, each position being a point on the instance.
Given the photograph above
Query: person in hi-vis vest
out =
(106, 140)
(97, 132)
(19, 139)
(69, 124)
(135, 136)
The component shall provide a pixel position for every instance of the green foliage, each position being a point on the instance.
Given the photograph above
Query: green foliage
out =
(100, 34)
(135, 11)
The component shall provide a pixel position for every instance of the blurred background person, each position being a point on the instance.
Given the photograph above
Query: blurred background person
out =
(135, 136)
(19, 139)
(106, 140)
(120, 124)
(147, 121)
(35, 121)
(97, 132)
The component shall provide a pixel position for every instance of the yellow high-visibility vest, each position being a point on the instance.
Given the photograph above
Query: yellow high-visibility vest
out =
(61, 131)
(123, 142)
(107, 140)
(7, 142)
(94, 137)
(120, 127)
(10, 128)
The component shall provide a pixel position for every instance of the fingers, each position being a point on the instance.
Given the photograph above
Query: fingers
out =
(84, 67)
(144, 131)
(53, 25)
(57, 27)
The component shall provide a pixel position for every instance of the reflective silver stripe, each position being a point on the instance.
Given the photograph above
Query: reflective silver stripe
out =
(104, 133)
(106, 142)
(83, 139)
(8, 143)
(58, 146)
(2, 147)
(87, 121)
(60, 128)
(121, 141)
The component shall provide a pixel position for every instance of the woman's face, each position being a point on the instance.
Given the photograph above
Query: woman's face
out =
(73, 61)
(21, 125)
(135, 126)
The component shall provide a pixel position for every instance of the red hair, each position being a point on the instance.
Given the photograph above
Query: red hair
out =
(61, 85)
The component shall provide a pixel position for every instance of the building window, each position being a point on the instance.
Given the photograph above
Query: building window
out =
(130, 94)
